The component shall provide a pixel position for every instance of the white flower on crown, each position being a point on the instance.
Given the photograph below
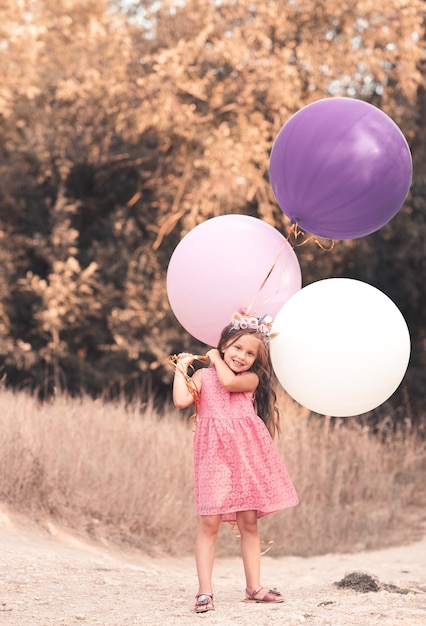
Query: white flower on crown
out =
(242, 321)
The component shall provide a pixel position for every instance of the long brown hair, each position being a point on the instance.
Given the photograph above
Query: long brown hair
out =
(265, 396)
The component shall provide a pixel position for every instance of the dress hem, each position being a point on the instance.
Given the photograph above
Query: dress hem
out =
(230, 515)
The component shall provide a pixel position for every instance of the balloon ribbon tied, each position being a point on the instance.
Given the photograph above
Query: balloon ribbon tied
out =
(192, 388)
(295, 233)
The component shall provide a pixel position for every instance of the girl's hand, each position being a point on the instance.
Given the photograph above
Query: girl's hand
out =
(185, 359)
(214, 355)
(228, 378)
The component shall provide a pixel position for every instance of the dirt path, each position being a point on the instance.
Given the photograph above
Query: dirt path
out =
(56, 579)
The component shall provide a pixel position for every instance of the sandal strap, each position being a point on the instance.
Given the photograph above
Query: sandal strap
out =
(203, 598)
(253, 594)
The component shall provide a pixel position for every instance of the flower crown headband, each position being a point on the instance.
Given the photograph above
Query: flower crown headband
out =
(241, 320)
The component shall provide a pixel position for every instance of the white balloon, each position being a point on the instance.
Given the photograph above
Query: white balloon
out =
(342, 347)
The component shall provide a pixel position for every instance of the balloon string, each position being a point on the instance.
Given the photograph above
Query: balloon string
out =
(292, 237)
(273, 266)
(295, 232)
(269, 544)
(192, 388)
(265, 280)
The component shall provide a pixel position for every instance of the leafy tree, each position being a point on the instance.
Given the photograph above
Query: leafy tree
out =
(121, 131)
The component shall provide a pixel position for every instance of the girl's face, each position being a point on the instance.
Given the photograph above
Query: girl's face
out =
(240, 355)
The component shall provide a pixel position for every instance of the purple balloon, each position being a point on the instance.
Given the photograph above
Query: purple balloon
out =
(340, 168)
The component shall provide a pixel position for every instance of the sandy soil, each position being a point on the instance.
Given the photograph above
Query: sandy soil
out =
(54, 578)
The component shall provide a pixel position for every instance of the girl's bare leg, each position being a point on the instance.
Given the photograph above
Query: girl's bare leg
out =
(250, 547)
(205, 544)
(250, 551)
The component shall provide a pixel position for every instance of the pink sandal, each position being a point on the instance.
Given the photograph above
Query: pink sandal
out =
(204, 602)
(273, 595)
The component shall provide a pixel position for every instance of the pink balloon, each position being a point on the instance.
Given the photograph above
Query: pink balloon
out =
(227, 263)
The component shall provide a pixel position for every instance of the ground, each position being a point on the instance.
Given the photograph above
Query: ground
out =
(49, 577)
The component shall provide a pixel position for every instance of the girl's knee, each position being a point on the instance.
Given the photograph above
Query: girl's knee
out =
(209, 524)
(247, 522)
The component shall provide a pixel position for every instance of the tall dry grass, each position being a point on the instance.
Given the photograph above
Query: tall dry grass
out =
(122, 474)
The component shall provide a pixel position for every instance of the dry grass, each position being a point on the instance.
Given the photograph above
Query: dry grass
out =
(123, 475)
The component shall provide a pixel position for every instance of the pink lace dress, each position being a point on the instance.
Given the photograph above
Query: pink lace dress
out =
(237, 466)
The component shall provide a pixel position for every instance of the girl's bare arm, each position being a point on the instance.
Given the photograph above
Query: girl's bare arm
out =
(182, 397)
(228, 378)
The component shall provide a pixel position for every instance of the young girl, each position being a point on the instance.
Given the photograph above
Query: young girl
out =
(238, 472)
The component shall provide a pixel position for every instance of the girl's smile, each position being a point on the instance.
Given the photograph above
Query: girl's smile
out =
(241, 354)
